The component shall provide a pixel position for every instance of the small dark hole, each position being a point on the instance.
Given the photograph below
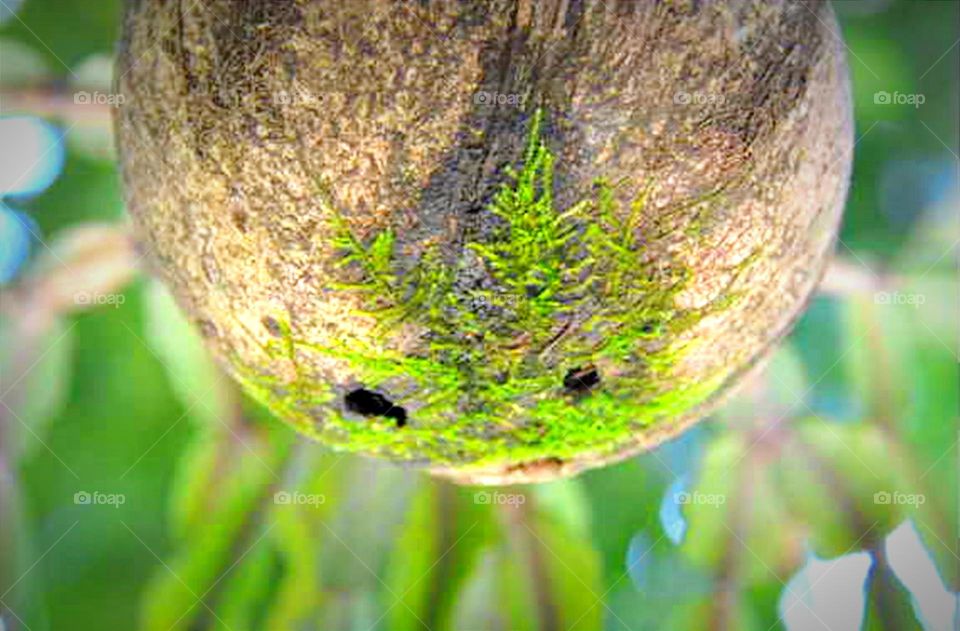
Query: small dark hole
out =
(650, 327)
(581, 379)
(367, 403)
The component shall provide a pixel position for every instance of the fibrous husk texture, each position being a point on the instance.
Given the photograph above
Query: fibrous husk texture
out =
(506, 240)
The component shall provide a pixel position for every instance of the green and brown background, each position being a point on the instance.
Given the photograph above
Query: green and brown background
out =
(231, 520)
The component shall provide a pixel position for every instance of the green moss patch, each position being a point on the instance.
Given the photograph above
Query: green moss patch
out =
(570, 294)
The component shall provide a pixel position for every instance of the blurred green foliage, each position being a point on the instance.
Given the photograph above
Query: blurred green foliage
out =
(860, 405)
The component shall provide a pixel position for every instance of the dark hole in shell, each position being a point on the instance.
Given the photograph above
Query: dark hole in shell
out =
(581, 379)
(368, 403)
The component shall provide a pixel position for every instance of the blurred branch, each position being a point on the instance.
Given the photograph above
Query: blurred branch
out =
(86, 263)
(892, 610)
(519, 523)
(847, 278)
(9, 534)
(81, 267)
(255, 524)
(60, 103)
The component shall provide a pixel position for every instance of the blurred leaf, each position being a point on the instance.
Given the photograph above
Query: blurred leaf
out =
(21, 592)
(298, 539)
(437, 548)
(450, 565)
(888, 603)
(106, 439)
(375, 500)
(661, 580)
(905, 372)
(543, 573)
(907, 558)
(820, 344)
(278, 581)
(733, 513)
(843, 484)
(66, 31)
(88, 190)
(884, 53)
(488, 584)
(34, 378)
(234, 524)
(245, 596)
(761, 497)
(548, 575)
(728, 609)
(84, 267)
(623, 498)
(201, 387)
(565, 501)
(197, 479)
(570, 579)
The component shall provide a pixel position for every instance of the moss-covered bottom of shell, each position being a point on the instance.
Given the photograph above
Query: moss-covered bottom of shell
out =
(556, 427)
(572, 289)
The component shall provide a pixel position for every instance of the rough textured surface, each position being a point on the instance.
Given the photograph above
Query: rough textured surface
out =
(298, 169)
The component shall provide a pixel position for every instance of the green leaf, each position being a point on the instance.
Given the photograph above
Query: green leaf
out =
(737, 518)
(196, 482)
(905, 372)
(624, 498)
(35, 371)
(888, 602)
(246, 593)
(234, 523)
(572, 577)
(436, 550)
(842, 482)
(66, 31)
(299, 537)
(493, 596)
(22, 65)
(194, 377)
(566, 502)
(761, 498)
(541, 572)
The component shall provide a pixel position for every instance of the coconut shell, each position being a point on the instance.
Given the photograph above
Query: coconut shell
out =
(326, 188)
